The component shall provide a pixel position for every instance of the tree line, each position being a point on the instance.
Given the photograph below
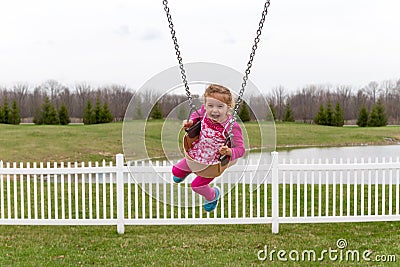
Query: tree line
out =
(305, 103)
(49, 115)
(24, 102)
(53, 102)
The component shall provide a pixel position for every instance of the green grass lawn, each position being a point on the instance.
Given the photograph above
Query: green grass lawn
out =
(41, 143)
(30, 143)
(298, 134)
(195, 245)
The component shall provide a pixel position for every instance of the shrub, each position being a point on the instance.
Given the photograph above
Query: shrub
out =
(362, 120)
(377, 117)
(63, 115)
(244, 113)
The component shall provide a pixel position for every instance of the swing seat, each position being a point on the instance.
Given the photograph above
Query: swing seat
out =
(202, 169)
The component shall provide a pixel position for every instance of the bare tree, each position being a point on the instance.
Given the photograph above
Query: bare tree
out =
(387, 89)
(390, 99)
(359, 100)
(280, 96)
(67, 98)
(303, 103)
(343, 93)
(53, 87)
(372, 89)
(82, 92)
(119, 99)
(20, 92)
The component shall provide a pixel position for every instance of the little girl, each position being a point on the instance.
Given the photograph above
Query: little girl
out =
(215, 124)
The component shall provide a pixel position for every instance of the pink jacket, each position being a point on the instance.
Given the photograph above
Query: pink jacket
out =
(237, 137)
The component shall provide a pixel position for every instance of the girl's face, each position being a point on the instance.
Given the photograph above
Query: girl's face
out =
(216, 110)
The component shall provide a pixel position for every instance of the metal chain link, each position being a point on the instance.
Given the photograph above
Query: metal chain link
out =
(178, 54)
(249, 63)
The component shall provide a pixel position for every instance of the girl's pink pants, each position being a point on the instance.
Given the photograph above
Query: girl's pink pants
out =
(200, 185)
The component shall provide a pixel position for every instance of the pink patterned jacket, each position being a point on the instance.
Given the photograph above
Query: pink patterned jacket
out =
(237, 144)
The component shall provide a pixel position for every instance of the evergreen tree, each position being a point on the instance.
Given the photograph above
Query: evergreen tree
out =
(97, 112)
(362, 120)
(105, 114)
(14, 116)
(329, 114)
(51, 116)
(39, 117)
(373, 120)
(88, 114)
(338, 117)
(36, 117)
(63, 115)
(377, 117)
(244, 113)
(381, 113)
(1, 115)
(156, 112)
(272, 108)
(6, 110)
(47, 114)
(288, 115)
(320, 118)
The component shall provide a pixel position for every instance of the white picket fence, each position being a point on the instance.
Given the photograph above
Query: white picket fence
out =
(142, 194)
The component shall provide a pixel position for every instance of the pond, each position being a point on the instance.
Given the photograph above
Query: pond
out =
(353, 153)
(330, 153)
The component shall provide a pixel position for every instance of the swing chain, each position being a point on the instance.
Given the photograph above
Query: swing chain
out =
(178, 54)
(249, 65)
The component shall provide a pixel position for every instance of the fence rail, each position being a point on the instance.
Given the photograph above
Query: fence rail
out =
(138, 193)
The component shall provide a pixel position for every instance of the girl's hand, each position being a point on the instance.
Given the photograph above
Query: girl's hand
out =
(225, 150)
(187, 123)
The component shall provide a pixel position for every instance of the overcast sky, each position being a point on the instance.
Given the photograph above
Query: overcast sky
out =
(126, 42)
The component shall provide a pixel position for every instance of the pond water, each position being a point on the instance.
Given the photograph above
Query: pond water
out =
(382, 153)
(330, 153)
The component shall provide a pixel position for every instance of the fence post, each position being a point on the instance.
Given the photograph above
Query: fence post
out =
(120, 194)
(275, 193)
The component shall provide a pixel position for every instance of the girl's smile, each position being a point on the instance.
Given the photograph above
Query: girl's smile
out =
(216, 110)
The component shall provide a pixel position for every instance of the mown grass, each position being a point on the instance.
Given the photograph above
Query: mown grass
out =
(41, 143)
(194, 245)
(298, 134)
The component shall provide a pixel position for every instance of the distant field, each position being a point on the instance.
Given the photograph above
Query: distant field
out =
(29, 143)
